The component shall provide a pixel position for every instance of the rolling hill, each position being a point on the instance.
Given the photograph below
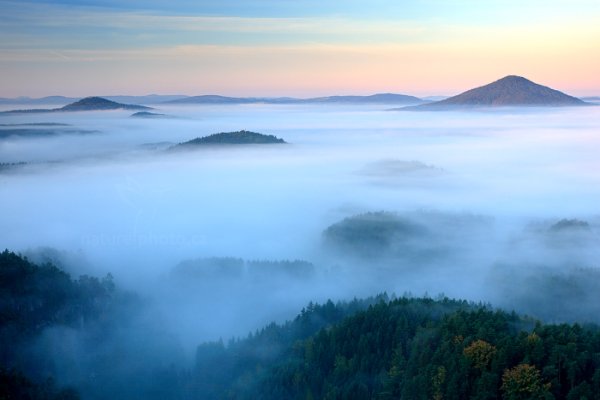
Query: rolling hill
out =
(86, 104)
(510, 91)
(99, 103)
(380, 98)
(229, 138)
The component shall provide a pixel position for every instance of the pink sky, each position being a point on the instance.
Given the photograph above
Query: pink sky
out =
(138, 53)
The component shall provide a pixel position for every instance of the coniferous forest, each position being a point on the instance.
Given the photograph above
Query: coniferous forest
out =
(383, 347)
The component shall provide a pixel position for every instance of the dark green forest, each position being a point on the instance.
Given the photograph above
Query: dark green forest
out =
(32, 299)
(237, 137)
(406, 348)
(381, 347)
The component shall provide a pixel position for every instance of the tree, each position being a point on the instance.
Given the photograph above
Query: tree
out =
(524, 382)
(480, 353)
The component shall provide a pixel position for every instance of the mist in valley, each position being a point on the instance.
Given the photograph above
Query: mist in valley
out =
(495, 206)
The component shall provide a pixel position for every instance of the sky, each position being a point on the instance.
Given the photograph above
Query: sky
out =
(294, 47)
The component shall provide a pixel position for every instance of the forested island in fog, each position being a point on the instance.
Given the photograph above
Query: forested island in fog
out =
(225, 138)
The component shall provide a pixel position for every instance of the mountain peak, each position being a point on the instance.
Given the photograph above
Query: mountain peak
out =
(512, 90)
(513, 78)
(516, 81)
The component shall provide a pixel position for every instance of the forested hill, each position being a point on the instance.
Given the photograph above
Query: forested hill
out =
(34, 298)
(376, 348)
(409, 349)
(231, 138)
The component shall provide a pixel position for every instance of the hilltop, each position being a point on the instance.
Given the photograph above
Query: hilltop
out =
(237, 137)
(100, 103)
(86, 104)
(509, 91)
(146, 114)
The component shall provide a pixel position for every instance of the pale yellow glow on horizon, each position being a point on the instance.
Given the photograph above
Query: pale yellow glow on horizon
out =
(446, 60)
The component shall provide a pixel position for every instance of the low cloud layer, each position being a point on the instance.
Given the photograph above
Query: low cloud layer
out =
(484, 192)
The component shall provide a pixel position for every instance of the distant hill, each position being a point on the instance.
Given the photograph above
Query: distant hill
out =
(374, 234)
(61, 100)
(591, 98)
(34, 101)
(100, 103)
(570, 225)
(225, 270)
(33, 131)
(147, 99)
(86, 104)
(146, 114)
(216, 99)
(35, 124)
(226, 138)
(509, 91)
(7, 166)
(435, 98)
(381, 98)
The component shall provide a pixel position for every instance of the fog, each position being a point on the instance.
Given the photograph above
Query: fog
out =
(485, 189)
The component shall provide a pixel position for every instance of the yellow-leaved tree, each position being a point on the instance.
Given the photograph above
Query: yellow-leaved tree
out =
(524, 382)
(480, 353)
